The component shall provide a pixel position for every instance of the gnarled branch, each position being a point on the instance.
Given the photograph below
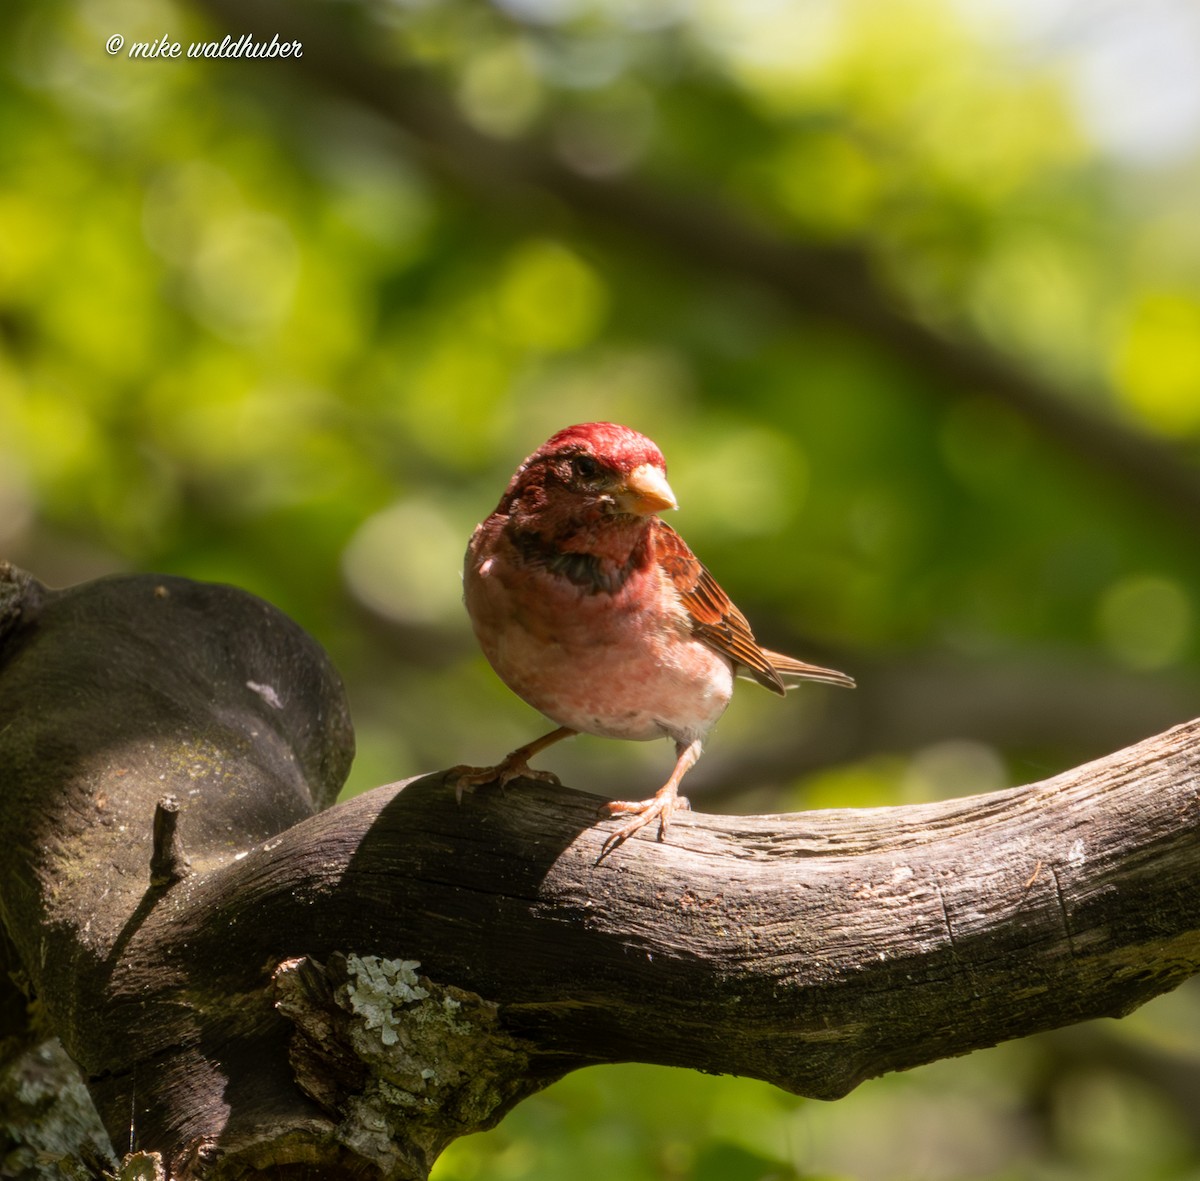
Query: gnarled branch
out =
(347, 990)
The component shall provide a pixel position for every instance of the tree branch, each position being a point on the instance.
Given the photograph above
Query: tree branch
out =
(346, 991)
(838, 284)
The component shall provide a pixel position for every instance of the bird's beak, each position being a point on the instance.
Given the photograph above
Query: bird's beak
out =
(645, 492)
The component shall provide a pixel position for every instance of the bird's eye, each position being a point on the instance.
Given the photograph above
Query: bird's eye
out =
(585, 467)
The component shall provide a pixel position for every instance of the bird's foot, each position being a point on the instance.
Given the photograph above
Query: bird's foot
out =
(514, 766)
(664, 804)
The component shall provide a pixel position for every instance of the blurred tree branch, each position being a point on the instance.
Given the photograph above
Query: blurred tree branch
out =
(263, 1010)
(1020, 703)
(1084, 1052)
(835, 284)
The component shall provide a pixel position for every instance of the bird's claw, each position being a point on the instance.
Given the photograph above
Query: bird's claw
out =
(661, 808)
(468, 778)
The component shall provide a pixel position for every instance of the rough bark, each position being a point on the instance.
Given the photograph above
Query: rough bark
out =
(342, 992)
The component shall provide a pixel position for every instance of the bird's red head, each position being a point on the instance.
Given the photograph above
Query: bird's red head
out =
(590, 470)
(619, 448)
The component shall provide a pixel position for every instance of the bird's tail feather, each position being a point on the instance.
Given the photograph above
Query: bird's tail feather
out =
(789, 666)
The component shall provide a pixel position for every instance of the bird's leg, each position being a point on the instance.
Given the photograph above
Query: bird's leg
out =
(660, 807)
(512, 766)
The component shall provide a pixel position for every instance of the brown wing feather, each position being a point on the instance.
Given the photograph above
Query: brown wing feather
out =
(718, 622)
(714, 617)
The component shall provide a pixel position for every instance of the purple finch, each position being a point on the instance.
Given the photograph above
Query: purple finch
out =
(595, 612)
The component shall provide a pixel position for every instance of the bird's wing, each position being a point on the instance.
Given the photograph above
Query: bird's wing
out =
(718, 622)
(713, 615)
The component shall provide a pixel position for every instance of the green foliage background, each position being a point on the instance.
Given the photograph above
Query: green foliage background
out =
(253, 331)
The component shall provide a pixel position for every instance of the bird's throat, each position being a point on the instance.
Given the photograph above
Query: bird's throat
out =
(597, 564)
